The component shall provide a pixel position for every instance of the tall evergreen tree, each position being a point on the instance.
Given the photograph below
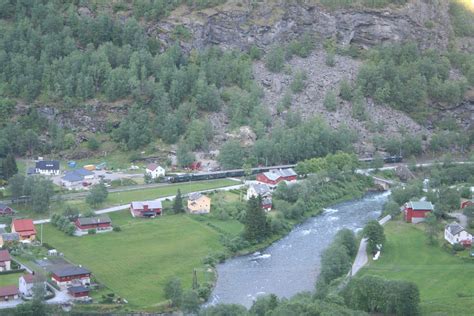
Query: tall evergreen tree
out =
(255, 221)
(9, 166)
(178, 203)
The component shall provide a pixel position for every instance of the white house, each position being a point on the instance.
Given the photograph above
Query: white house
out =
(47, 167)
(26, 283)
(155, 171)
(257, 189)
(456, 234)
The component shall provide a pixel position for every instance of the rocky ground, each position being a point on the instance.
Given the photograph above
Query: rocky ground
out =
(321, 80)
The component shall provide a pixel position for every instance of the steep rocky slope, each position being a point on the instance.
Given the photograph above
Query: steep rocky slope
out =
(240, 24)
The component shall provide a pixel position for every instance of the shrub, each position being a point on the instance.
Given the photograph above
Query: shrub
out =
(298, 83)
(275, 59)
(117, 229)
(91, 231)
(330, 101)
(458, 247)
(345, 90)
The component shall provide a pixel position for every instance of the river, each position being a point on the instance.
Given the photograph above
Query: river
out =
(291, 264)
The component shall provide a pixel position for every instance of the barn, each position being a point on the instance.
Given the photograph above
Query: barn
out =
(415, 212)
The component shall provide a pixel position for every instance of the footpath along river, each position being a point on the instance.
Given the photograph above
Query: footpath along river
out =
(291, 264)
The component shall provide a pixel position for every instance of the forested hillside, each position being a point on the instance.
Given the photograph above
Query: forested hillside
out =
(179, 75)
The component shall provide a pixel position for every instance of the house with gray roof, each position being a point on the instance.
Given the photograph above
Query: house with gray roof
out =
(273, 177)
(146, 208)
(65, 275)
(101, 224)
(416, 211)
(257, 189)
(47, 167)
(456, 234)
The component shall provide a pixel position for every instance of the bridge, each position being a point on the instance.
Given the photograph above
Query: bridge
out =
(383, 184)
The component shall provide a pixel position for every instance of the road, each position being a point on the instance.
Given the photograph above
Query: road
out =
(126, 206)
(361, 258)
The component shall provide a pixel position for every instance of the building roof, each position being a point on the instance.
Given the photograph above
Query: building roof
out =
(195, 196)
(152, 166)
(287, 172)
(454, 228)
(8, 290)
(72, 176)
(10, 237)
(260, 188)
(94, 220)
(83, 172)
(267, 201)
(420, 205)
(69, 270)
(30, 278)
(4, 255)
(3, 206)
(47, 165)
(22, 225)
(151, 204)
(77, 289)
(272, 175)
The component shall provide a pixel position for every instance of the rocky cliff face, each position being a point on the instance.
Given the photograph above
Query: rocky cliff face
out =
(269, 22)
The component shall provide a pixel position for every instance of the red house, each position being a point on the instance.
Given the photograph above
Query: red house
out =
(415, 212)
(273, 177)
(25, 228)
(146, 209)
(78, 291)
(195, 165)
(99, 223)
(465, 203)
(9, 292)
(66, 275)
(5, 210)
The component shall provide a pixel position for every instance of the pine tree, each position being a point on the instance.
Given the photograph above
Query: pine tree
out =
(255, 221)
(178, 203)
(9, 166)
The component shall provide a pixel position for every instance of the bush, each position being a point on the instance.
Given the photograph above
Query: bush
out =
(117, 229)
(458, 247)
(91, 231)
(330, 101)
(298, 83)
(275, 59)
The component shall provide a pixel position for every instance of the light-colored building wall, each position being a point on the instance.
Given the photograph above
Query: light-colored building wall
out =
(200, 206)
(455, 239)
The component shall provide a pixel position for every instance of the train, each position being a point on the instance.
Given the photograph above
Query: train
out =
(222, 174)
(235, 173)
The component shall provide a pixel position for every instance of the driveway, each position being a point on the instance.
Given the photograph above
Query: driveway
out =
(361, 258)
(10, 304)
(461, 218)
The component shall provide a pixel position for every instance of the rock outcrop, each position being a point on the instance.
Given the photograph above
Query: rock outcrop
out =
(269, 22)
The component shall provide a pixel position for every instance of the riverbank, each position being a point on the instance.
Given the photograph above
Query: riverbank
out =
(291, 264)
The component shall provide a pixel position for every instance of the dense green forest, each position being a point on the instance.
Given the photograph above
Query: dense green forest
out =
(52, 55)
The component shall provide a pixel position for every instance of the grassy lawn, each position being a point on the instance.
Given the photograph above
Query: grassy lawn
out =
(136, 262)
(118, 198)
(445, 281)
(10, 279)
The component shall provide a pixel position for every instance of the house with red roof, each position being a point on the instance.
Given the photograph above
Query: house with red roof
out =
(8, 293)
(5, 260)
(273, 177)
(146, 208)
(25, 228)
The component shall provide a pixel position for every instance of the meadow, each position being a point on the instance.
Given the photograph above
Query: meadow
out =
(444, 280)
(137, 262)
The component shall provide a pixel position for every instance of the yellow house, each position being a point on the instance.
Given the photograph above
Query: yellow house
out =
(199, 204)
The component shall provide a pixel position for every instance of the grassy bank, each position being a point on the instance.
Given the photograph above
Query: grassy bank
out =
(445, 281)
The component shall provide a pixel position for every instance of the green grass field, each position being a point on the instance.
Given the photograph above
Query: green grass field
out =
(117, 198)
(445, 282)
(10, 279)
(136, 262)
